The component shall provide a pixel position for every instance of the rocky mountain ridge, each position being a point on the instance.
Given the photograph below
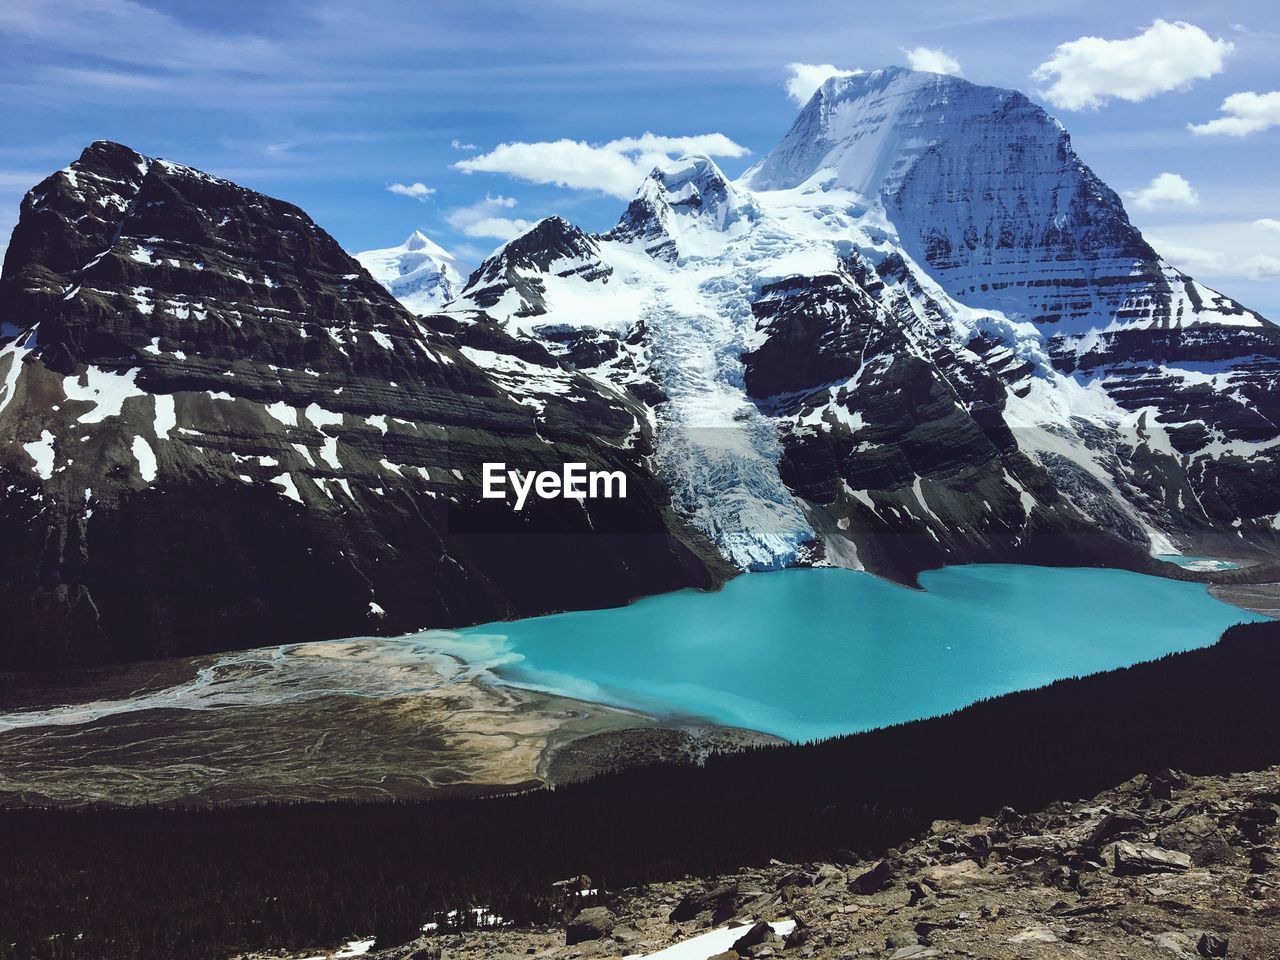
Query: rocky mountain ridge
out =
(218, 431)
(920, 331)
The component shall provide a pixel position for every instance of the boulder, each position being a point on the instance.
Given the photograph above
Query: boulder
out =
(797, 878)
(827, 874)
(717, 899)
(1199, 837)
(1212, 945)
(901, 938)
(1113, 826)
(574, 884)
(1034, 846)
(593, 923)
(1253, 822)
(799, 936)
(916, 951)
(1131, 859)
(873, 880)
(1262, 859)
(759, 934)
(1162, 783)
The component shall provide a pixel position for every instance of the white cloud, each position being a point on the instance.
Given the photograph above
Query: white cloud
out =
(482, 219)
(1189, 258)
(931, 60)
(1083, 74)
(1267, 223)
(1166, 190)
(807, 77)
(1257, 266)
(459, 145)
(616, 168)
(1246, 113)
(1261, 266)
(418, 191)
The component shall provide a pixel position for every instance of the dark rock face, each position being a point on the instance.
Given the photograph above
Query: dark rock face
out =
(217, 431)
(552, 246)
(1215, 391)
(916, 461)
(971, 213)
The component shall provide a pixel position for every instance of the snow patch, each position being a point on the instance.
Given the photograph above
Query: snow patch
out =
(106, 390)
(41, 451)
(146, 458)
(285, 481)
(166, 415)
(709, 944)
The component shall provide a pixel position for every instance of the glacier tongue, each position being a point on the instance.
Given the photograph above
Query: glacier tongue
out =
(716, 449)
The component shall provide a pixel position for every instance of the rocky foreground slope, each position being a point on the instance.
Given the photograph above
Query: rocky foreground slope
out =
(1163, 867)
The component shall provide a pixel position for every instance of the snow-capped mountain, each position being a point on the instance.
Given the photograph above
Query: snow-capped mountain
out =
(920, 330)
(217, 431)
(985, 191)
(419, 273)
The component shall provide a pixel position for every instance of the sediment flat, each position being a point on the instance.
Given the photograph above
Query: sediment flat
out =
(451, 730)
(1263, 598)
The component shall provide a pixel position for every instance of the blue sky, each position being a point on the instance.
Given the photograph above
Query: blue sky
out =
(328, 104)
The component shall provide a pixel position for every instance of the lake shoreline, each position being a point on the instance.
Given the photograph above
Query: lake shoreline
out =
(745, 656)
(470, 711)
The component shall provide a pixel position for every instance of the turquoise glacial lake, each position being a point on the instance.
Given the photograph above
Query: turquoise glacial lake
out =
(818, 652)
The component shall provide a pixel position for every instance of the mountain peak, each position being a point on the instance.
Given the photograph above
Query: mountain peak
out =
(679, 200)
(983, 188)
(419, 273)
(420, 242)
(866, 130)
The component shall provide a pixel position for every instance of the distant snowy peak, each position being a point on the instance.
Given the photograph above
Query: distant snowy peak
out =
(987, 193)
(866, 131)
(419, 273)
(679, 200)
(419, 242)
